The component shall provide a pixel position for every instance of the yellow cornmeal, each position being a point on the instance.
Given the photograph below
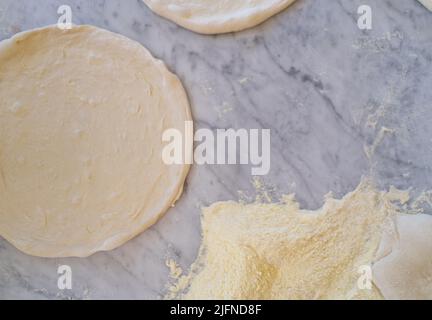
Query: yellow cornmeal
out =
(278, 251)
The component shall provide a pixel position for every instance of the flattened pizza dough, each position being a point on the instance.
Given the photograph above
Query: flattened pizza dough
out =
(217, 16)
(82, 113)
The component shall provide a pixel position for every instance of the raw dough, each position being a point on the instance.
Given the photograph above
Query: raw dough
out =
(277, 251)
(82, 113)
(217, 16)
(406, 273)
(427, 4)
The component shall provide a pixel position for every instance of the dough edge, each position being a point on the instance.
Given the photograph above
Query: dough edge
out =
(232, 23)
(120, 239)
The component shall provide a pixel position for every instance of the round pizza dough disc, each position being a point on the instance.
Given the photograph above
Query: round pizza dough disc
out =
(406, 272)
(217, 16)
(82, 113)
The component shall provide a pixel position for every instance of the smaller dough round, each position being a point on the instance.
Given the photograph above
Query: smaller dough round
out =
(406, 273)
(82, 114)
(217, 16)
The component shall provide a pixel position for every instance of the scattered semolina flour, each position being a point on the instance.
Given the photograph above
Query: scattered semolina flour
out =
(278, 251)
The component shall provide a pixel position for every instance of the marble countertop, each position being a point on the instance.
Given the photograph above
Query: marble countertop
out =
(324, 87)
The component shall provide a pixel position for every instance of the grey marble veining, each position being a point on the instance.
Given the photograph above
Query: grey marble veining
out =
(324, 88)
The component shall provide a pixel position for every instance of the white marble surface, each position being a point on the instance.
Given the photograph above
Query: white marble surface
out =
(309, 74)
